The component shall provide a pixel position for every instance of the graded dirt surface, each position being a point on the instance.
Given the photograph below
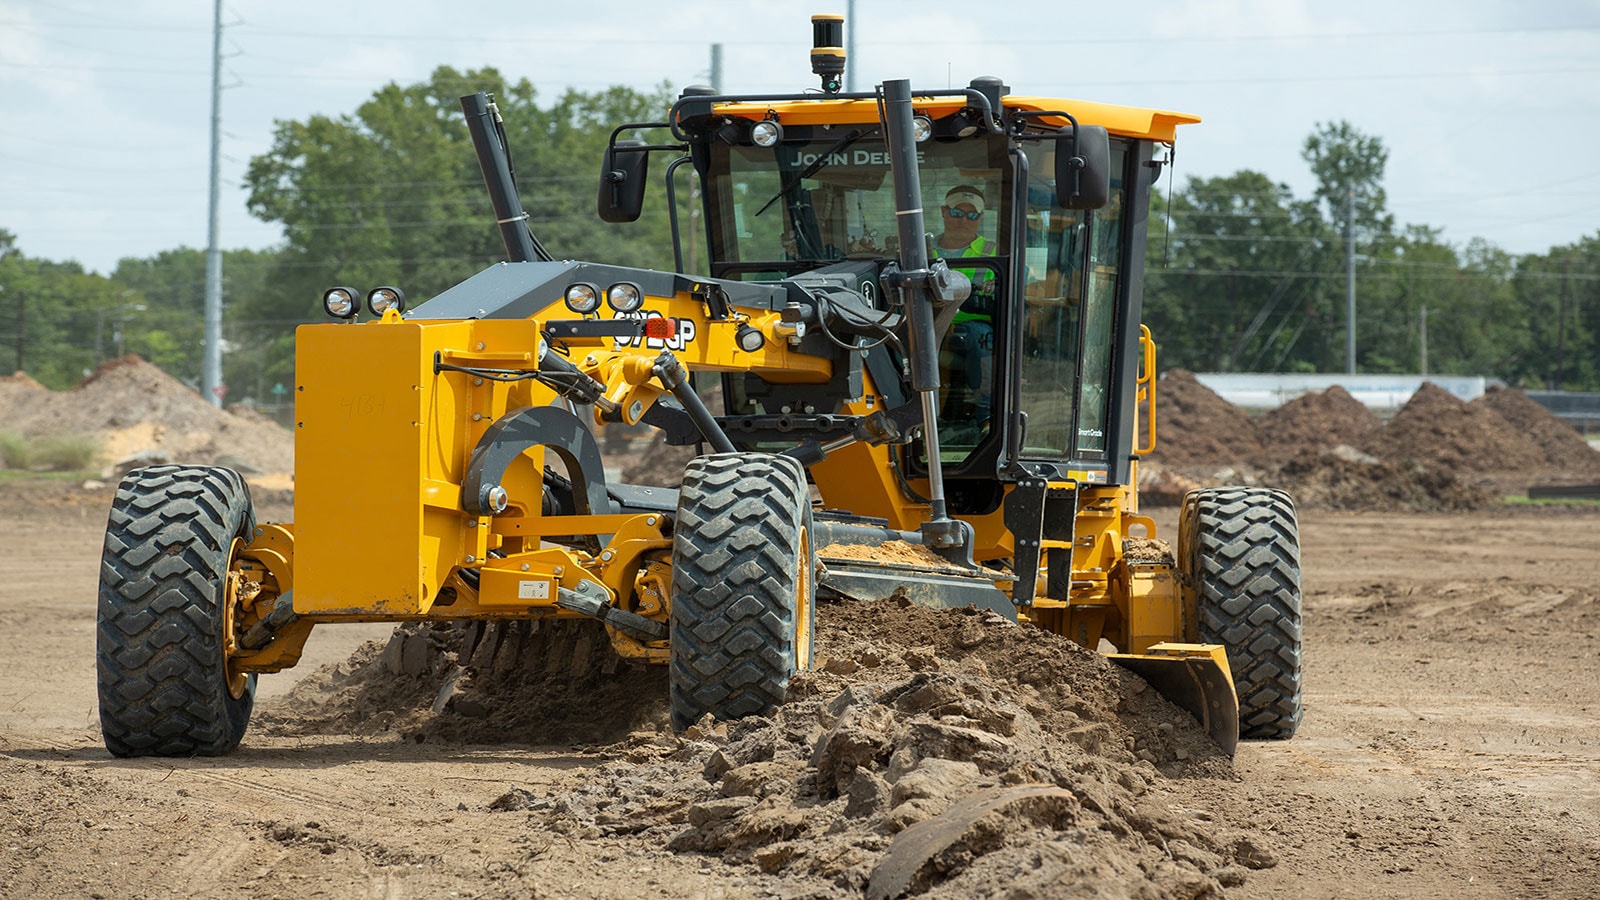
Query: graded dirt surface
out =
(1450, 748)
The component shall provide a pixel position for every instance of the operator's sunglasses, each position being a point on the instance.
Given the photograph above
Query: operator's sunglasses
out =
(954, 213)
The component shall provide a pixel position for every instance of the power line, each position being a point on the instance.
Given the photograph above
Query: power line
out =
(98, 22)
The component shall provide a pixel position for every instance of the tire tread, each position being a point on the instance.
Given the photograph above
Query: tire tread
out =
(159, 655)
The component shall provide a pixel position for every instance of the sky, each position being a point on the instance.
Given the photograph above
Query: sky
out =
(1490, 109)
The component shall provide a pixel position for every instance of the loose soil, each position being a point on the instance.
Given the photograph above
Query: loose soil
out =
(1447, 749)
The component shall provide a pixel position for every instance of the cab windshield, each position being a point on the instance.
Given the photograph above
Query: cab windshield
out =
(778, 211)
(831, 198)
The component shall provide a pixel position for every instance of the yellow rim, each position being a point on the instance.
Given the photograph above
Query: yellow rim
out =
(236, 677)
(802, 605)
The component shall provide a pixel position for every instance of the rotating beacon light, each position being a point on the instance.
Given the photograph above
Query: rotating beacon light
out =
(827, 50)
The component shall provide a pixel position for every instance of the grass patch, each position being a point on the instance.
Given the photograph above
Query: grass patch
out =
(15, 451)
(65, 452)
(1521, 500)
(50, 453)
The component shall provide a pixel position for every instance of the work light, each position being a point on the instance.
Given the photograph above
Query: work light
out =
(582, 298)
(624, 296)
(341, 302)
(382, 299)
(766, 133)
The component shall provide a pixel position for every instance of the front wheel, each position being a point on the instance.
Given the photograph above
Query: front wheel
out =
(742, 593)
(1240, 553)
(166, 614)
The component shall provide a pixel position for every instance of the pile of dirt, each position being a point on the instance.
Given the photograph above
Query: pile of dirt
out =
(1347, 479)
(523, 682)
(930, 751)
(1314, 422)
(138, 412)
(1330, 451)
(1567, 454)
(1437, 428)
(1196, 427)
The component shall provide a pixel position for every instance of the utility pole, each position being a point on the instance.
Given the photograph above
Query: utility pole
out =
(21, 306)
(1561, 326)
(1350, 279)
(211, 376)
(850, 46)
(716, 68)
(1422, 334)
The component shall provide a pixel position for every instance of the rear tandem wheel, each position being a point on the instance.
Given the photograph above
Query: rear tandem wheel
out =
(166, 613)
(743, 611)
(1240, 549)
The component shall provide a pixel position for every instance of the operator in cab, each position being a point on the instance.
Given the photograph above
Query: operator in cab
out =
(967, 352)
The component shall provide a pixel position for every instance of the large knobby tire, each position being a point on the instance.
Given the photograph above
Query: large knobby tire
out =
(1241, 554)
(743, 614)
(166, 610)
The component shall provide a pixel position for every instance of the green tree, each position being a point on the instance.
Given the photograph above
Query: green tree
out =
(54, 312)
(1349, 167)
(393, 195)
(1558, 293)
(1239, 291)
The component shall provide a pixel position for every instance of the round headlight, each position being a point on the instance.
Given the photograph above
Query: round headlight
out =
(582, 298)
(766, 133)
(382, 299)
(921, 128)
(341, 302)
(624, 296)
(749, 339)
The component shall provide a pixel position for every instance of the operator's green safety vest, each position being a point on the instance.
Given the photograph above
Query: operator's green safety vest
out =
(975, 307)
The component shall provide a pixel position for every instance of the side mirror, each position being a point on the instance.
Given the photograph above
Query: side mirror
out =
(1083, 181)
(622, 179)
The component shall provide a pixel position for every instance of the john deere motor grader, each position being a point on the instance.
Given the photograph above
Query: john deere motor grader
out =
(887, 423)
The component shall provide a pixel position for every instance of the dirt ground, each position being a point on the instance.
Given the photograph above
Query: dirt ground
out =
(1450, 748)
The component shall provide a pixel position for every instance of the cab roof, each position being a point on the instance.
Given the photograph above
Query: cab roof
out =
(1124, 121)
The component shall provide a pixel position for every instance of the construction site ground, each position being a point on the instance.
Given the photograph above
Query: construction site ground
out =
(1450, 748)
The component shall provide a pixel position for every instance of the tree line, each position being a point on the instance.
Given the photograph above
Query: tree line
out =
(1242, 275)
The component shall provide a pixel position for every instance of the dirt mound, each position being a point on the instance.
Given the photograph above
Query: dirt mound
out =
(1330, 451)
(22, 380)
(1196, 427)
(421, 686)
(1314, 422)
(1345, 478)
(930, 751)
(135, 409)
(1566, 453)
(1439, 430)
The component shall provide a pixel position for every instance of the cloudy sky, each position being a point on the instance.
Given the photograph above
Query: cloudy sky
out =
(1490, 108)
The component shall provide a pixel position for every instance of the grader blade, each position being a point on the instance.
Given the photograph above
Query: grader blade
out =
(861, 580)
(872, 563)
(1196, 678)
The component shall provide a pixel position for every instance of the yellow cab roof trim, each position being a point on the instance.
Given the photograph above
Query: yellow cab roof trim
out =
(1123, 121)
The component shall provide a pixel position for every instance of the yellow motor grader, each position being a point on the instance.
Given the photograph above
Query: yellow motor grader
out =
(875, 416)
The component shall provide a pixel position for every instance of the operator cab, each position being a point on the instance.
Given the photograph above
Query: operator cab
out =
(1031, 367)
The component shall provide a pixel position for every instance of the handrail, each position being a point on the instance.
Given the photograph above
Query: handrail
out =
(1146, 389)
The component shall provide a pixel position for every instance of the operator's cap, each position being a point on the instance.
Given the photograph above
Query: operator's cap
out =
(963, 193)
